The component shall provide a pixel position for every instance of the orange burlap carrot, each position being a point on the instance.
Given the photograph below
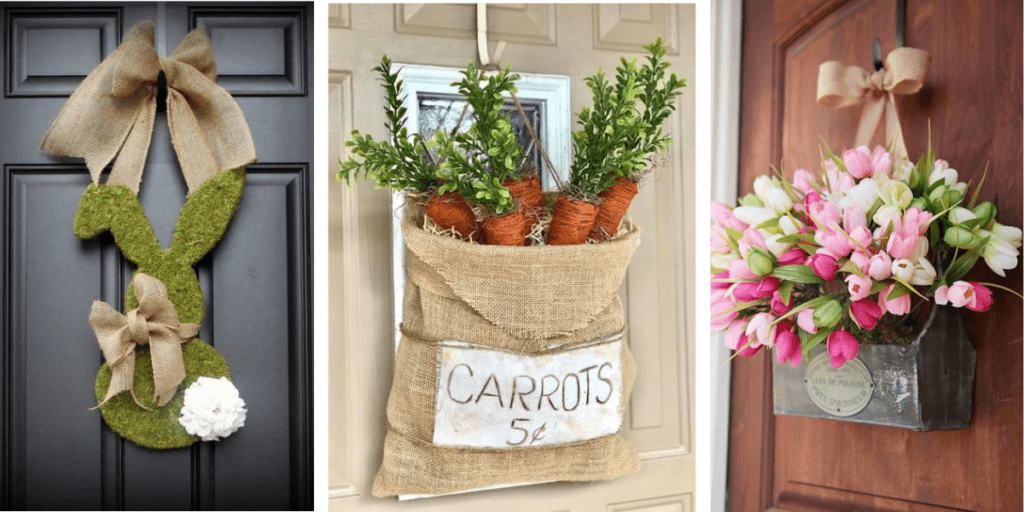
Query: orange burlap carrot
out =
(450, 210)
(571, 221)
(616, 201)
(506, 229)
(528, 194)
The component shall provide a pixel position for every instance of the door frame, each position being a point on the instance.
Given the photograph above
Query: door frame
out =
(726, 66)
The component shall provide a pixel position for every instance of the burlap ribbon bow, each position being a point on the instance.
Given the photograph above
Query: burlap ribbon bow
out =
(840, 85)
(113, 110)
(153, 323)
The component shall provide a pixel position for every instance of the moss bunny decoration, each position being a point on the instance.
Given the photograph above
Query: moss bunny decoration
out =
(151, 356)
(202, 222)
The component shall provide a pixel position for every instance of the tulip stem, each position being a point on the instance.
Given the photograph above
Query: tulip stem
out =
(1003, 288)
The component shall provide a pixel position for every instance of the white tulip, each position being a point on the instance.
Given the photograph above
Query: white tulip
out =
(1000, 252)
(896, 193)
(772, 242)
(773, 196)
(722, 259)
(903, 269)
(960, 214)
(949, 176)
(863, 195)
(920, 249)
(885, 214)
(901, 171)
(924, 273)
(754, 215)
(789, 225)
(942, 171)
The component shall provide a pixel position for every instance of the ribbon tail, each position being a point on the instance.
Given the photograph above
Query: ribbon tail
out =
(168, 364)
(894, 131)
(207, 126)
(122, 378)
(131, 160)
(874, 106)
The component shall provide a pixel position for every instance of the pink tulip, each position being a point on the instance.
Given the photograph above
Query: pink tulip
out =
(842, 347)
(853, 217)
(861, 238)
(823, 213)
(805, 319)
(824, 266)
(760, 331)
(787, 345)
(719, 239)
(861, 260)
(859, 287)
(901, 244)
(746, 292)
(780, 308)
(720, 317)
(983, 299)
(897, 306)
(916, 221)
(879, 267)
(751, 238)
(738, 269)
(809, 199)
(718, 281)
(865, 313)
(794, 256)
(881, 161)
(736, 338)
(833, 240)
(838, 181)
(962, 293)
(858, 162)
(802, 181)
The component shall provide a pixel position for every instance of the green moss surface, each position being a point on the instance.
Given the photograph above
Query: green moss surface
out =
(202, 222)
(157, 428)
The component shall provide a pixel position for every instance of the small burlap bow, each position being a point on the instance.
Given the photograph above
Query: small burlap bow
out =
(113, 110)
(840, 85)
(153, 323)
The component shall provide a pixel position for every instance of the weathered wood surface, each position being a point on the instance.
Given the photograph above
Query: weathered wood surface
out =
(926, 385)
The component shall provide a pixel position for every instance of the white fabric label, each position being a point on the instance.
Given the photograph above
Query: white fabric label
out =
(488, 398)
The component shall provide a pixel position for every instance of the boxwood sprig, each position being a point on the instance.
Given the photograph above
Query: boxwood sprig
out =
(401, 163)
(617, 138)
(476, 162)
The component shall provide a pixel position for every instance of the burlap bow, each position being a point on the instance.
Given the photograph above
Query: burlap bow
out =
(113, 110)
(841, 86)
(153, 323)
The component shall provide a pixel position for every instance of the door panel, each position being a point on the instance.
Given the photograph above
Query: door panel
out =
(255, 282)
(561, 39)
(972, 97)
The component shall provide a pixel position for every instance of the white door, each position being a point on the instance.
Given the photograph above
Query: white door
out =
(658, 292)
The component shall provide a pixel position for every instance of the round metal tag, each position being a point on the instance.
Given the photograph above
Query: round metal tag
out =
(842, 392)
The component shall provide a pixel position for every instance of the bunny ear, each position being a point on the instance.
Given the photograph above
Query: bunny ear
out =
(206, 215)
(117, 209)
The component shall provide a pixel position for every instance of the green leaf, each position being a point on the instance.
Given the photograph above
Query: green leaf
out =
(814, 341)
(898, 290)
(797, 273)
(785, 291)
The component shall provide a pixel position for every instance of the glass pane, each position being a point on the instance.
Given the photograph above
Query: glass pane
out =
(442, 111)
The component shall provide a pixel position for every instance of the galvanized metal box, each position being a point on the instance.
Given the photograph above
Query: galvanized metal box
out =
(926, 385)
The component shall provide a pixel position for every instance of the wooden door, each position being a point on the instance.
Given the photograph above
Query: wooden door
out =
(570, 40)
(972, 96)
(57, 453)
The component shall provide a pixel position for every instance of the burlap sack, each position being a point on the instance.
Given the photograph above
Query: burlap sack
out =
(531, 300)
